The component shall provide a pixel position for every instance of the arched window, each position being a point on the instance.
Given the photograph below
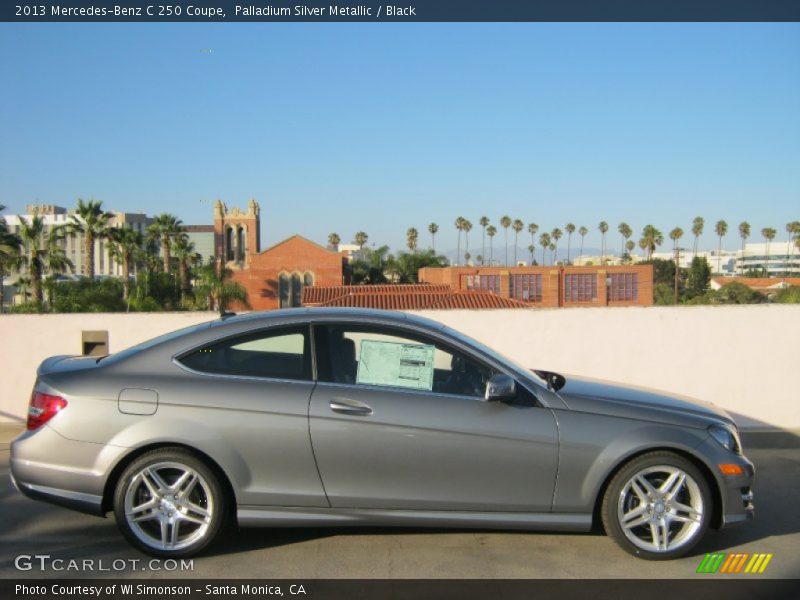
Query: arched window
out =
(283, 290)
(228, 250)
(297, 289)
(308, 279)
(240, 243)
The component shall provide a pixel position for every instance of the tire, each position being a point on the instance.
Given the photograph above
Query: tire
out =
(169, 503)
(657, 506)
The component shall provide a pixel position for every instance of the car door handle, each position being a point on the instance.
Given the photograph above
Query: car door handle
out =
(350, 407)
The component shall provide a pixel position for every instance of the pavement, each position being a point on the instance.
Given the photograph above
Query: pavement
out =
(35, 528)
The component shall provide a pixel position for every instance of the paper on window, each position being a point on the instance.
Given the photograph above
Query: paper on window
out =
(397, 364)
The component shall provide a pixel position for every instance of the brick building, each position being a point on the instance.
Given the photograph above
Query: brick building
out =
(626, 285)
(274, 278)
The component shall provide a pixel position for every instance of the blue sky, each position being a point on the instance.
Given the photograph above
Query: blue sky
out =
(380, 127)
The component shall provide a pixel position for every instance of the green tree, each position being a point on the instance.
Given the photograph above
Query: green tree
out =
(555, 235)
(92, 221)
(582, 232)
(737, 293)
(10, 245)
(793, 229)
(675, 235)
(698, 279)
(721, 228)
(517, 226)
(544, 242)
(769, 234)
(187, 257)
(625, 231)
(531, 249)
(218, 289)
(370, 266)
(433, 228)
(405, 267)
(411, 238)
(663, 294)
(744, 233)
(491, 231)
(651, 239)
(164, 229)
(45, 252)
(333, 241)
(505, 223)
(125, 242)
(570, 229)
(697, 231)
(459, 224)
(790, 295)
(467, 227)
(603, 227)
(361, 239)
(484, 223)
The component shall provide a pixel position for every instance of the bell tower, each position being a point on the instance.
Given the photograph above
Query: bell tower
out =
(236, 233)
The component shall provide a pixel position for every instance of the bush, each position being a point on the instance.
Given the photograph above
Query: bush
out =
(86, 295)
(663, 294)
(27, 307)
(738, 293)
(790, 295)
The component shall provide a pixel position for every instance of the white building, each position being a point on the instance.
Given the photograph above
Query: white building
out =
(777, 258)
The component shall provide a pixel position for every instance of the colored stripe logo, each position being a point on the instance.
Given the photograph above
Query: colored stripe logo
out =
(736, 562)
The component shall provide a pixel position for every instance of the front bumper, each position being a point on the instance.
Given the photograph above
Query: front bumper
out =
(47, 466)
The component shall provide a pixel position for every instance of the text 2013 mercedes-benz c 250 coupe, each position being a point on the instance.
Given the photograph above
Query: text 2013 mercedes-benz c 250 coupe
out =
(322, 417)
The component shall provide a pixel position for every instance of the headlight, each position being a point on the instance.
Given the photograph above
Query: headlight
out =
(727, 437)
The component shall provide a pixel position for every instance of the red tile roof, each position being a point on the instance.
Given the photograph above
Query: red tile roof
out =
(406, 297)
(759, 283)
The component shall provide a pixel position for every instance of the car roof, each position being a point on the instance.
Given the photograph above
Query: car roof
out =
(323, 313)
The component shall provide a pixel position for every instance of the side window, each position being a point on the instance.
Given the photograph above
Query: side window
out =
(393, 358)
(282, 354)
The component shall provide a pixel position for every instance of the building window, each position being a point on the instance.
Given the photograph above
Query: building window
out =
(239, 243)
(624, 286)
(229, 243)
(308, 279)
(580, 287)
(297, 290)
(489, 283)
(527, 288)
(283, 290)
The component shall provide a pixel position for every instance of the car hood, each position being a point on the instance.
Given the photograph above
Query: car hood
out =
(604, 397)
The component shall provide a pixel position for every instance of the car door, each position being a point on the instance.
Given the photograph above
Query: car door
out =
(398, 421)
(253, 389)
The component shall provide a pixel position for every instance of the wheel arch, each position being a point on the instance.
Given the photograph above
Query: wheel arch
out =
(713, 484)
(110, 486)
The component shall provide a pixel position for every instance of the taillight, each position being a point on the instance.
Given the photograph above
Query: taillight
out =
(43, 407)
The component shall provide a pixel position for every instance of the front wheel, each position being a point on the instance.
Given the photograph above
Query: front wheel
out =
(658, 506)
(169, 503)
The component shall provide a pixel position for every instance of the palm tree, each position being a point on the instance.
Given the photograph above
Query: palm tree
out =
(411, 239)
(532, 229)
(651, 238)
(334, 240)
(44, 252)
(582, 232)
(721, 228)
(467, 227)
(186, 254)
(769, 234)
(125, 242)
(505, 223)
(164, 229)
(552, 248)
(491, 231)
(625, 231)
(555, 235)
(603, 227)
(675, 235)
(697, 231)
(517, 226)
(484, 222)
(544, 242)
(570, 228)
(793, 229)
(361, 239)
(744, 233)
(629, 246)
(459, 224)
(91, 221)
(432, 229)
(531, 248)
(220, 292)
(9, 254)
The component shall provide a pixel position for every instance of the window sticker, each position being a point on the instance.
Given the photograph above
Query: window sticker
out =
(396, 364)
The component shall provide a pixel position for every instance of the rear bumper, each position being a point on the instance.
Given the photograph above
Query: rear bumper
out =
(47, 466)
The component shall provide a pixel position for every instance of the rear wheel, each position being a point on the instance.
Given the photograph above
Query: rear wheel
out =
(169, 503)
(658, 506)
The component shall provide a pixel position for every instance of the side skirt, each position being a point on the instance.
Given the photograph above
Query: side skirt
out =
(255, 516)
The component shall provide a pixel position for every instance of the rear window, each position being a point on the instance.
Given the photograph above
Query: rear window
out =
(281, 354)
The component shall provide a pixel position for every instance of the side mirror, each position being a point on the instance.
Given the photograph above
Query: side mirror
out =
(500, 387)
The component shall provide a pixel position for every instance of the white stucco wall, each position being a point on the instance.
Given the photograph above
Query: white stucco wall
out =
(743, 358)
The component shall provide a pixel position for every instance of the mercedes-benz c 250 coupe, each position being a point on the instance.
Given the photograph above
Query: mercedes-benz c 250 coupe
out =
(324, 417)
